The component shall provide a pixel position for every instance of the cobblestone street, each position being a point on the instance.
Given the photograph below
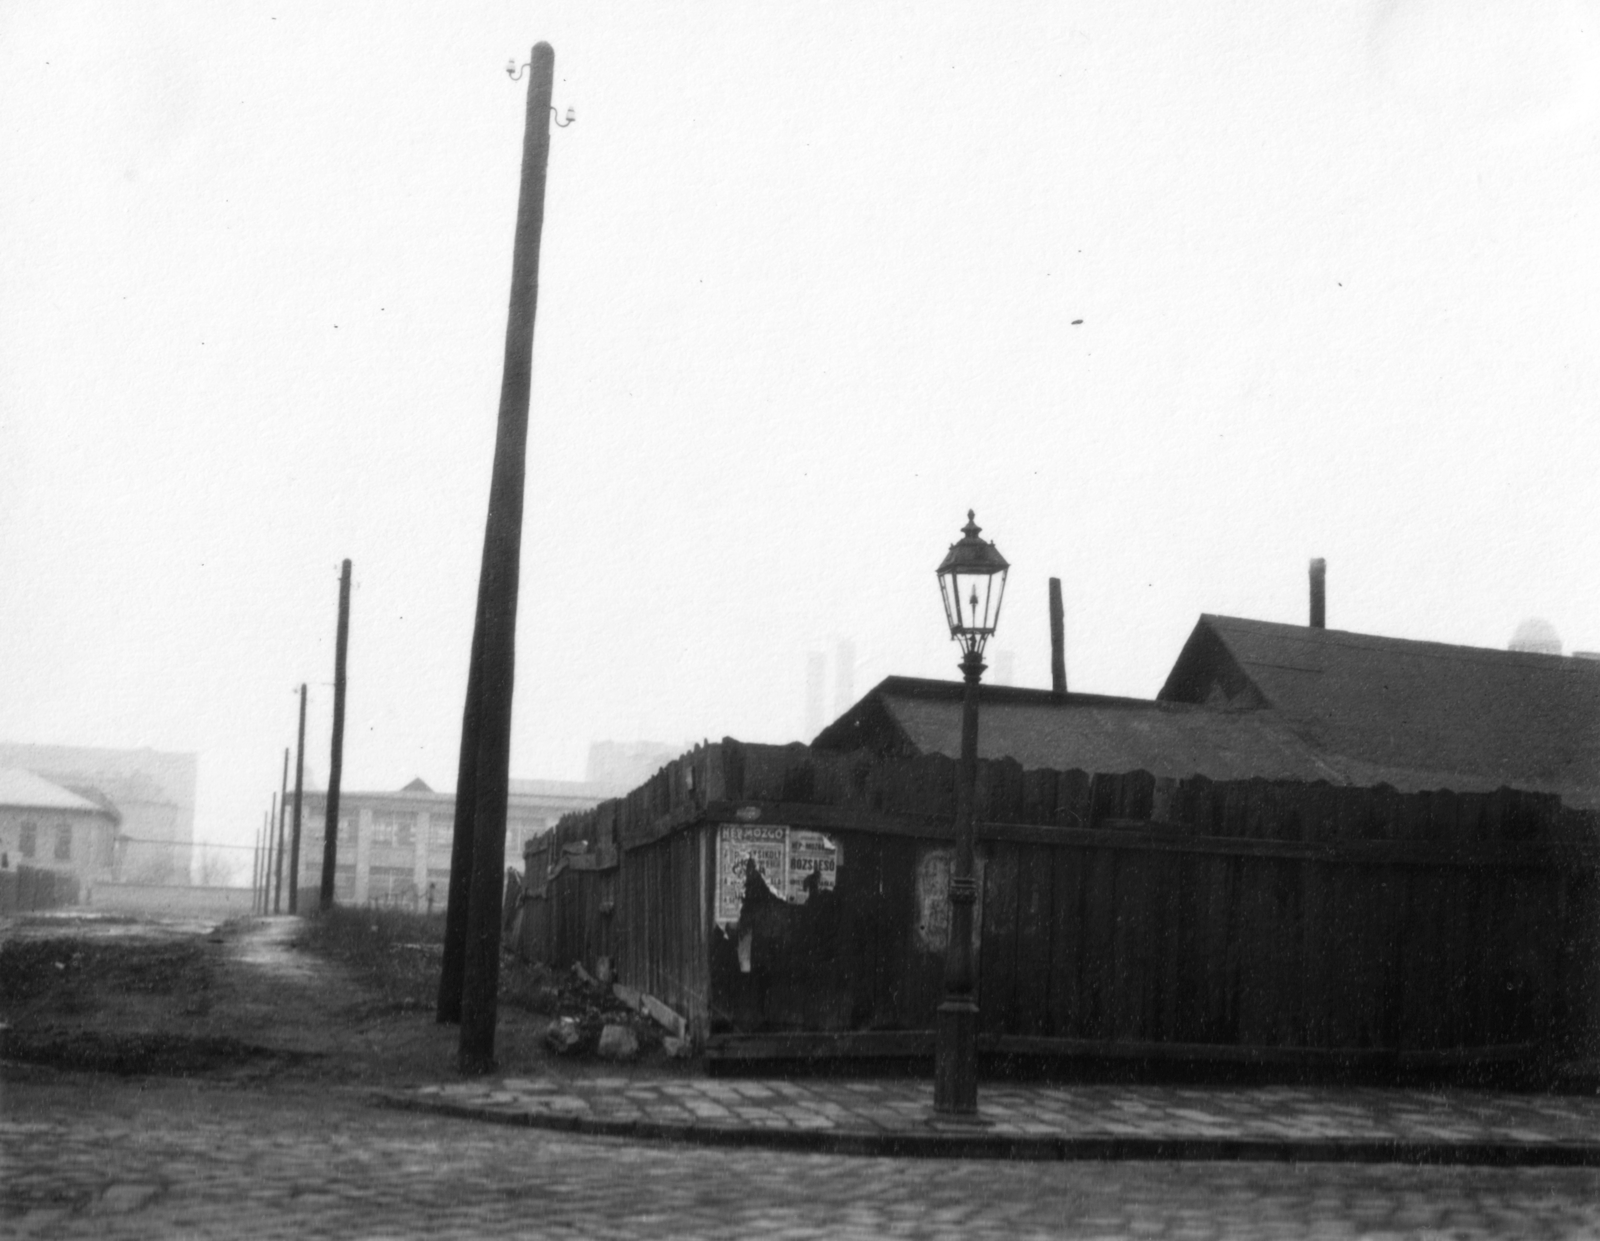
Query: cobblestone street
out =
(95, 1158)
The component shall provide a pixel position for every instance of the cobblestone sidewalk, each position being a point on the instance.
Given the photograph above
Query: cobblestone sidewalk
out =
(1356, 1124)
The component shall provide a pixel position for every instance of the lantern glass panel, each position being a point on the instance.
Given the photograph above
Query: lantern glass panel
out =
(972, 605)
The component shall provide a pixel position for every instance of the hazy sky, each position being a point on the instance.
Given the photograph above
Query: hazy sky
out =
(810, 277)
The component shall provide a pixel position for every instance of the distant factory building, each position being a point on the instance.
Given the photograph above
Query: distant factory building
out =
(394, 847)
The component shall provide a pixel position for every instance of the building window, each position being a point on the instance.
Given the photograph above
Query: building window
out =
(394, 829)
(28, 839)
(64, 842)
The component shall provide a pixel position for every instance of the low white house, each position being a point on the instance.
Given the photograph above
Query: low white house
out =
(52, 828)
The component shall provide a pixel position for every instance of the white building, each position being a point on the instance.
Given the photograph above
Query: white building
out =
(46, 826)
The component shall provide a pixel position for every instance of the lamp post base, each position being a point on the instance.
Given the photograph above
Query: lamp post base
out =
(955, 1058)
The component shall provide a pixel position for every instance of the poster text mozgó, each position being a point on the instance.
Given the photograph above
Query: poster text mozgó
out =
(785, 856)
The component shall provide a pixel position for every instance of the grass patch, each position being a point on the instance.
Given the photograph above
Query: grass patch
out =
(61, 969)
(130, 1054)
(396, 952)
(401, 954)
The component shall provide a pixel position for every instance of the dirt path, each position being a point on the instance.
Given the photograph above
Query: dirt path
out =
(266, 991)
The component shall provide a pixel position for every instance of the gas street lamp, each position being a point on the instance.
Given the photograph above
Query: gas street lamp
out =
(972, 580)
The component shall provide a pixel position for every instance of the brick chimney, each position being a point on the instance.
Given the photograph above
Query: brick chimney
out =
(1319, 593)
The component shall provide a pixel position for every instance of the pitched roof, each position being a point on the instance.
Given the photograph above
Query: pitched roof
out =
(24, 790)
(1466, 717)
(1040, 729)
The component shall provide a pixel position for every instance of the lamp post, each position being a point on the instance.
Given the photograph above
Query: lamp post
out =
(972, 580)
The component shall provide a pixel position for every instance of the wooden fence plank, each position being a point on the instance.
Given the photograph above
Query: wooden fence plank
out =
(1097, 977)
(1035, 908)
(997, 960)
(1130, 976)
(1066, 942)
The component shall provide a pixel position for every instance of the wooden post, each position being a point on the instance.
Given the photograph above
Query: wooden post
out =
(459, 889)
(299, 780)
(255, 867)
(497, 594)
(330, 834)
(278, 809)
(275, 879)
(1058, 639)
(263, 845)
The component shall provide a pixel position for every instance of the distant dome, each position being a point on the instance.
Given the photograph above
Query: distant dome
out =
(1536, 635)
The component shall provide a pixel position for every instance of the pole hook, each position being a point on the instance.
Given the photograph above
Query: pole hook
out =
(514, 72)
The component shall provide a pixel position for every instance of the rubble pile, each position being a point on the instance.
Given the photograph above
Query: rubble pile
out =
(589, 1018)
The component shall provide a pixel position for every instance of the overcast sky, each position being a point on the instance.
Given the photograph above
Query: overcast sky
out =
(811, 277)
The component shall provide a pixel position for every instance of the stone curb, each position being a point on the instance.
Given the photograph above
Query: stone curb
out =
(915, 1144)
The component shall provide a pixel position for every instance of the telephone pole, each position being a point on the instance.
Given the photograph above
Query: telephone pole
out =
(330, 834)
(299, 778)
(278, 808)
(494, 641)
(255, 867)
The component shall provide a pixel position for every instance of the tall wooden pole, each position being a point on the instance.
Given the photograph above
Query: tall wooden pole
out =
(279, 813)
(299, 780)
(459, 890)
(275, 879)
(255, 869)
(263, 843)
(497, 593)
(330, 834)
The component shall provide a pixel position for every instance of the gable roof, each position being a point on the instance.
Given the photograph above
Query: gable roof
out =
(23, 790)
(1038, 728)
(1470, 717)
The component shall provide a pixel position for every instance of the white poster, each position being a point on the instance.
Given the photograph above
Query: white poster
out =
(785, 857)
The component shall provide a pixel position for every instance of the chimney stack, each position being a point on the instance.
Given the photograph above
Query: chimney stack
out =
(1319, 593)
(1058, 640)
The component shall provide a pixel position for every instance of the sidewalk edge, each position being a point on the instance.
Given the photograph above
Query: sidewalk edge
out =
(913, 1144)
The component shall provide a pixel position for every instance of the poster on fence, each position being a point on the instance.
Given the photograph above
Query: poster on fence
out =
(810, 853)
(785, 857)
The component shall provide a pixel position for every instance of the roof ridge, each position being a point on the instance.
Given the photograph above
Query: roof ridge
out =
(1354, 640)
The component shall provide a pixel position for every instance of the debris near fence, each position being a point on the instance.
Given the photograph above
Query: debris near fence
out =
(589, 1017)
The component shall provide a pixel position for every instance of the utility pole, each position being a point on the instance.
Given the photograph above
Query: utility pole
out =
(299, 779)
(495, 639)
(330, 834)
(277, 816)
(459, 890)
(255, 868)
(263, 845)
(276, 850)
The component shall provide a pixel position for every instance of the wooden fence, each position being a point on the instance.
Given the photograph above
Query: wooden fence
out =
(1119, 914)
(30, 888)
